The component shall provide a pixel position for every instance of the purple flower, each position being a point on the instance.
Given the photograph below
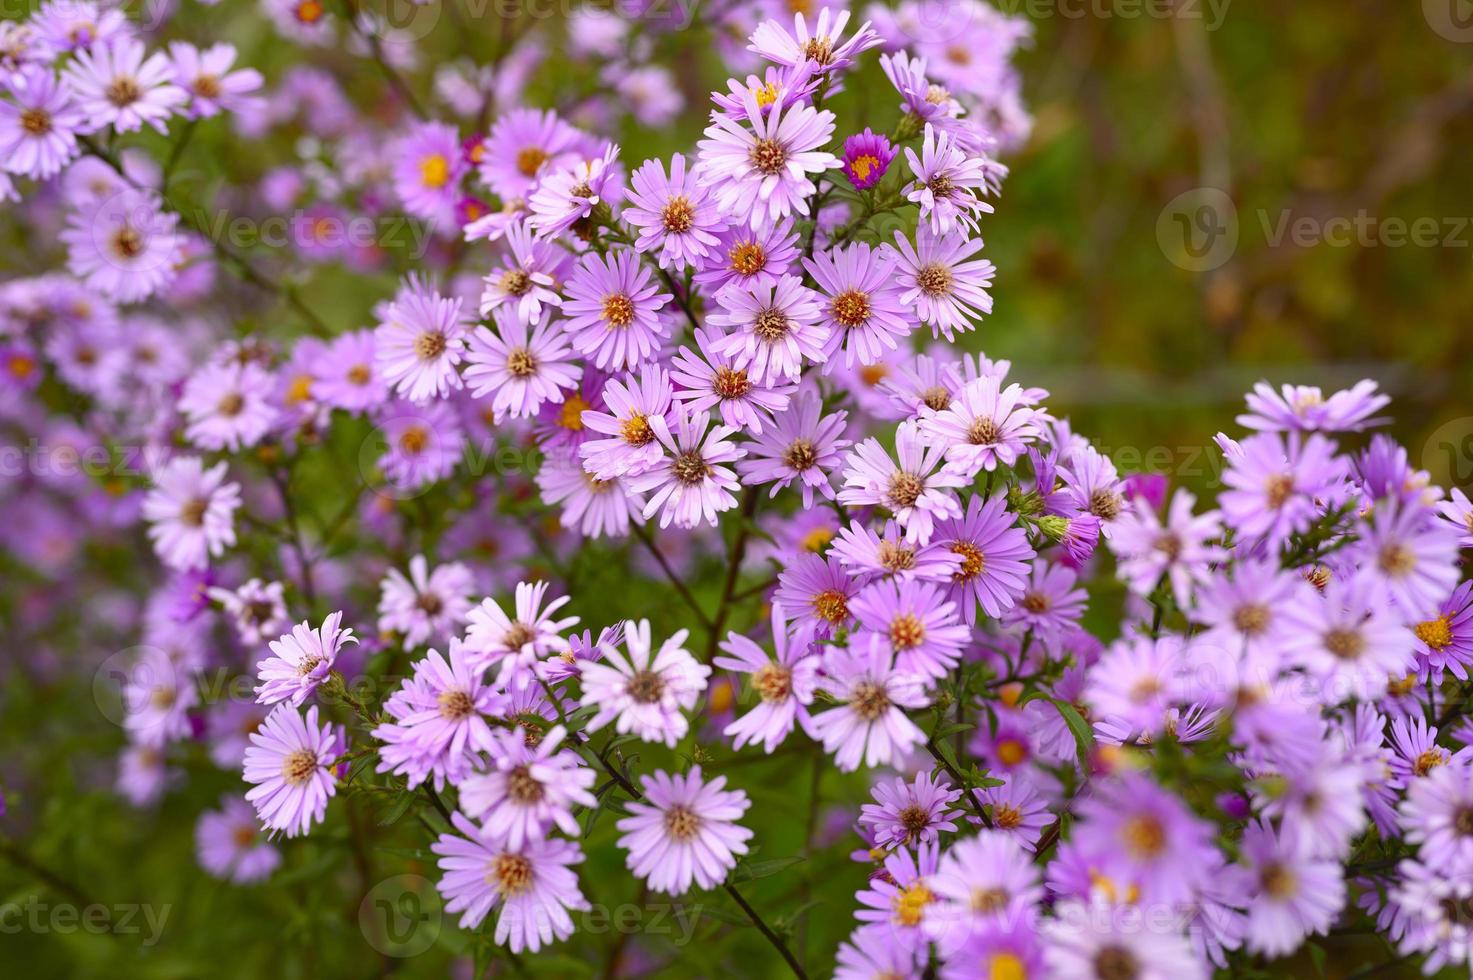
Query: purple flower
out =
(1438, 813)
(422, 443)
(1096, 942)
(428, 166)
(676, 215)
(518, 641)
(631, 447)
(784, 682)
(157, 696)
(229, 845)
(524, 144)
(994, 555)
(1301, 408)
(346, 376)
(803, 445)
(863, 309)
(529, 789)
(1347, 639)
(438, 719)
(419, 342)
(191, 512)
(771, 331)
(759, 171)
(38, 132)
(289, 762)
(689, 485)
(533, 885)
(908, 813)
(901, 903)
(870, 724)
(207, 77)
(228, 406)
(1295, 895)
(530, 276)
(983, 881)
(303, 659)
(563, 198)
(257, 609)
(427, 605)
(917, 491)
(1050, 604)
(946, 182)
(593, 506)
(520, 367)
(643, 693)
(1445, 642)
(866, 554)
(1408, 559)
(1136, 681)
(684, 831)
(867, 159)
(1141, 836)
(1177, 551)
(124, 246)
(822, 47)
(114, 85)
(750, 258)
(712, 379)
(938, 276)
(613, 309)
(917, 622)
(1457, 512)
(816, 591)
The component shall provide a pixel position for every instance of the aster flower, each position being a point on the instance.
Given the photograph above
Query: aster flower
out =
(520, 367)
(613, 308)
(780, 85)
(427, 605)
(529, 789)
(438, 719)
(191, 512)
(157, 696)
(288, 763)
(921, 98)
(346, 376)
(870, 953)
(428, 166)
(1050, 604)
(1243, 611)
(593, 506)
(759, 171)
(870, 724)
(946, 183)
(207, 77)
(689, 484)
(676, 215)
(1273, 488)
(784, 682)
(1093, 485)
(1445, 642)
(1347, 639)
(823, 46)
(867, 158)
(1177, 551)
(303, 21)
(1137, 833)
(422, 444)
(1408, 559)
(770, 332)
(419, 341)
(1296, 896)
(643, 693)
(900, 902)
(228, 406)
(803, 445)
(518, 641)
(115, 85)
(866, 554)
(529, 279)
(1438, 816)
(909, 813)
(523, 145)
(917, 622)
(533, 884)
(63, 26)
(228, 844)
(563, 198)
(917, 490)
(710, 379)
(816, 592)
(1457, 512)
(1430, 909)
(1302, 408)
(38, 131)
(985, 426)
(1136, 681)
(994, 555)
(631, 446)
(303, 659)
(1088, 942)
(748, 257)
(257, 609)
(124, 246)
(939, 276)
(683, 831)
(862, 308)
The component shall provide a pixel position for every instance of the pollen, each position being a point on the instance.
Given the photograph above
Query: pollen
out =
(618, 310)
(1144, 836)
(36, 122)
(1010, 752)
(905, 489)
(530, 160)
(973, 561)
(434, 171)
(522, 787)
(983, 432)
(800, 455)
(682, 823)
(850, 308)
(690, 468)
(123, 91)
(127, 242)
(747, 258)
(864, 165)
(767, 157)
(636, 430)
(514, 282)
(771, 325)
(934, 279)
(773, 682)
(816, 540)
(678, 215)
(646, 687)
(1436, 633)
(907, 632)
(570, 416)
(510, 874)
(455, 705)
(428, 346)
(910, 904)
(731, 383)
(831, 606)
(310, 11)
(520, 363)
(870, 700)
(414, 440)
(298, 767)
(766, 95)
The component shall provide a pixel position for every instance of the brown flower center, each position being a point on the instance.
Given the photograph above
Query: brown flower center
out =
(618, 310)
(681, 823)
(773, 681)
(831, 606)
(870, 700)
(767, 157)
(1251, 619)
(850, 308)
(1116, 963)
(521, 363)
(428, 346)
(690, 468)
(636, 430)
(646, 687)
(905, 489)
(123, 91)
(192, 514)
(731, 383)
(983, 432)
(522, 787)
(298, 767)
(510, 874)
(127, 242)
(747, 258)
(455, 705)
(771, 325)
(1345, 644)
(801, 455)
(36, 122)
(934, 279)
(678, 215)
(514, 282)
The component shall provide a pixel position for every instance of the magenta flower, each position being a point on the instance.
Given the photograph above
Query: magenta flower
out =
(994, 555)
(689, 485)
(645, 693)
(750, 258)
(346, 376)
(816, 592)
(303, 659)
(870, 724)
(915, 620)
(38, 131)
(867, 158)
(905, 814)
(428, 167)
(438, 719)
(289, 763)
(524, 144)
(564, 198)
(631, 446)
(613, 308)
(529, 279)
(684, 831)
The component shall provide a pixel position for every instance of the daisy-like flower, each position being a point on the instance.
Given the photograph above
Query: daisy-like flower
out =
(115, 85)
(917, 622)
(124, 246)
(229, 845)
(684, 831)
(419, 342)
(257, 609)
(191, 512)
(593, 506)
(427, 605)
(428, 166)
(529, 277)
(816, 592)
(770, 332)
(1408, 558)
(1018, 809)
(518, 641)
(533, 884)
(947, 180)
(1457, 513)
(157, 696)
(871, 953)
(1050, 605)
(862, 305)
(908, 813)
(1142, 836)
(750, 258)
(984, 427)
(1136, 681)
(631, 446)
(289, 764)
(438, 719)
(1417, 752)
(529, 789)
(228, 406)
(38, 131)
(1438, 816)
(207, 76)
(784, 682)
(939, 277)
(689, 484)
(823, 46)
(422, 444)
(803, 445)
(643, 693)
(1273, 486)
(1302, 408)
(563, 198)
(1091, 942)
(1445, 642)
(994, 555)
(302, 660)
(1178, 550)
(921, 98)
(522, 146)
(346, 376)
(613, 308)
(1431, 911)
(867, 159)
(303, 21)
(901, 902)
(986, 880)
(1296, 895)
(710, 379)
(676, 214)
(759, 167)
(520, 367)
(866, 555)
(1348, 639)
(870, 724)
(780, 85)
(62, 26)
(917, 490)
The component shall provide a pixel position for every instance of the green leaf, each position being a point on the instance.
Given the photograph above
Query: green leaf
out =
(752, 870)
(1084, 736)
